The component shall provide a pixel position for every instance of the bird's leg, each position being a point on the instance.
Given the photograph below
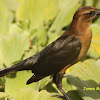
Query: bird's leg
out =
(57, 78)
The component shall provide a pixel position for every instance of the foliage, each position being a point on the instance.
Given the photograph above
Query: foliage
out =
(26, 27)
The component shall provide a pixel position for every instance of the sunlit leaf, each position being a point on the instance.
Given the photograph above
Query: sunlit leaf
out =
(94, 50)
(3, 95)
(15, 82)
(12, 48)
(85, 77)
(42, 83)
(14, 28)
(30, 52)
(89, 2)
(37, 11)
(11, 4)
(5, 18)
(29, 94)
(97, 4)
(41, 36)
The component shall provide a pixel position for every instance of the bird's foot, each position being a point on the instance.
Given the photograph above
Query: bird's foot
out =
(62, 97)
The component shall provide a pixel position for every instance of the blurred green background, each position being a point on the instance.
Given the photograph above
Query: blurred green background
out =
(26, 27)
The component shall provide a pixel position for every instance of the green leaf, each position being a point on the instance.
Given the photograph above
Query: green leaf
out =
(12, 48)
(89, 2)
(95, 29)
(3, 95)
(14, 28)
(62, 3)
(29, 94)
(1, 63)
(15, 82)
(19, 0)
(41, 35)
(42, 83)
(97, 21)
(11, 4)
(5, 18)
(85, 77)
(94, 50)
(30, 52)
(97, 4)
(63, 18)
(21, 27)
(37, 11)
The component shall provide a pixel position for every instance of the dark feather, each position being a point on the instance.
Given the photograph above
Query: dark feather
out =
(51, 60)
(23, 65)
(34, 79)
(57, 55)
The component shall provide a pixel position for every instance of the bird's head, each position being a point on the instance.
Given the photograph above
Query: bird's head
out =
(86, 13)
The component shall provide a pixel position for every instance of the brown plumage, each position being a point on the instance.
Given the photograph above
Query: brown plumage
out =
(67, 50)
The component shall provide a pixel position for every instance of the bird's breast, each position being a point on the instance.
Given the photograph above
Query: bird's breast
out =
(86, 41)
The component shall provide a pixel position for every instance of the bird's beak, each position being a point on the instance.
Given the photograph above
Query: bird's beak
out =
(98, 12)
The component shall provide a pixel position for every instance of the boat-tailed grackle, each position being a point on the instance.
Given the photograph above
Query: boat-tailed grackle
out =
(65, 51)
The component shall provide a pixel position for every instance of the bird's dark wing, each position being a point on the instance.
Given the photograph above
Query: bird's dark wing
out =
(49, 61)
(57, 55)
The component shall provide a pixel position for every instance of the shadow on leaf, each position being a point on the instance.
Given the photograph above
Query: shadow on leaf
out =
(85, 88)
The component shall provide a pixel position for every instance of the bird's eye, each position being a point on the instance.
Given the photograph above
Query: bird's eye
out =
(91, 13)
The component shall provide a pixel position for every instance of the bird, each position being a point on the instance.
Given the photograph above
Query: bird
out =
(62, 53)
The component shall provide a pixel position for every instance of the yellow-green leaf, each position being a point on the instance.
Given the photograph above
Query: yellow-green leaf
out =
(29, 94)
(94, 50)
(12, 48)
(37, 11)
(85, 77)
(5, 18)
(17, 81)
(3, 95)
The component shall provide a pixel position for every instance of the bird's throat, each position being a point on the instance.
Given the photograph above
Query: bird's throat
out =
(80, 28)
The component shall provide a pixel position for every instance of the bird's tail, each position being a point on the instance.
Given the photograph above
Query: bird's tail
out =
(23, 65)
(11, 69)
(6, 71)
